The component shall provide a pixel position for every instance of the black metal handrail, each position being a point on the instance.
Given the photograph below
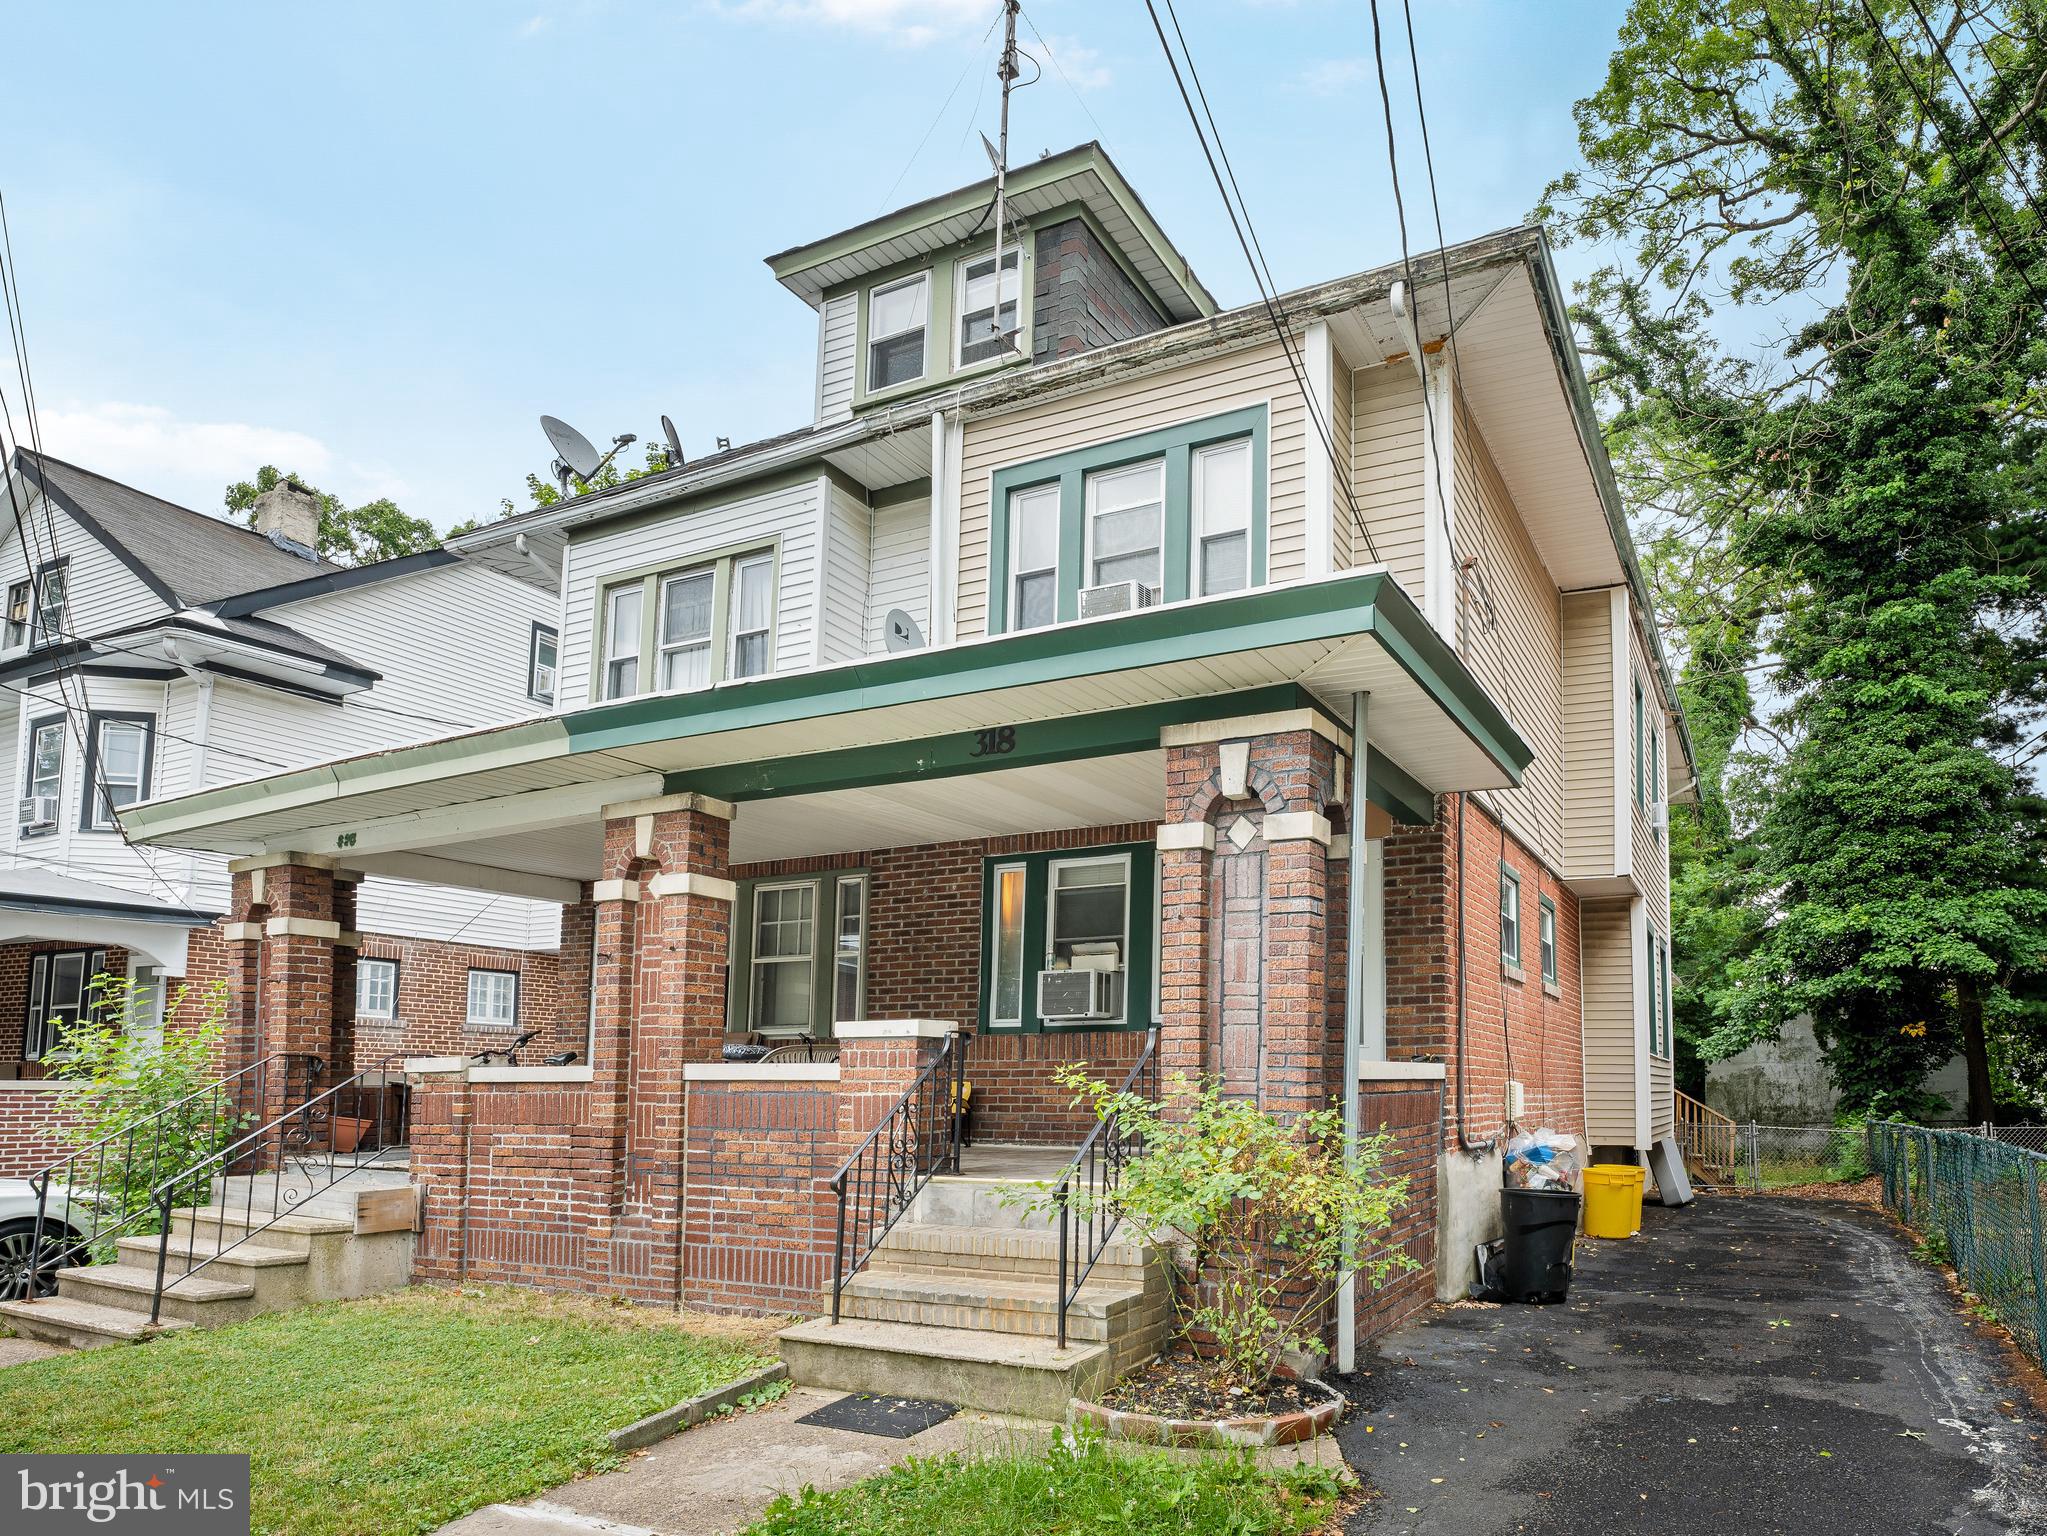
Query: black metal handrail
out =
(284, 1153)
(918, 1137)
(103, 1176)
(1097, 1168)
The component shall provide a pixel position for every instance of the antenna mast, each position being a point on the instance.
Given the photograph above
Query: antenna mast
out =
(1005, 71)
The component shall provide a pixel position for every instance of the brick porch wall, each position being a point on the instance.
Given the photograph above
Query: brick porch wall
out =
(1410, 1113)
(759, 1215)
(31, 1128)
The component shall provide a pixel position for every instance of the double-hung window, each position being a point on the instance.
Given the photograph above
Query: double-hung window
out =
(753, 617)
(1034, 556)
(543, 653)
(376, 989)
(897, 316)
(42, 791)
(1546, 937)
(59, 995)
(1222, 519)
(1126, 525)
(119, 749)
(622, 610)
(986, 320)
(800, 954)
(52, 602)
(1086, 909)
(493, 999)
(19, 596)
(686, 608)
(1510, 917)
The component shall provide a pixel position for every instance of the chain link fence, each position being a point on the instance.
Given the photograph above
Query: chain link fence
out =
(1978, 1203)
(1757, 1158)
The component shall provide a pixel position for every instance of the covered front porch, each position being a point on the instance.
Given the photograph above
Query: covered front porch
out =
(1043, 845)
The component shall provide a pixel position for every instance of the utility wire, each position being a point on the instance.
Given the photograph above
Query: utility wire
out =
(972, 60)
(1272, 310)
(1975, 111)
(1060, 71)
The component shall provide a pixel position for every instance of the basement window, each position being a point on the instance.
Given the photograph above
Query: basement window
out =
(493, 999)
(897, 314)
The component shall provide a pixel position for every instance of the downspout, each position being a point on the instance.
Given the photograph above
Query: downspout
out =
(1353, 1022)
(940, 617)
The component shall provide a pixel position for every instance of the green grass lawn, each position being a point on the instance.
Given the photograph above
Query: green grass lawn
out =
(1064, 1492)
(386, 1416)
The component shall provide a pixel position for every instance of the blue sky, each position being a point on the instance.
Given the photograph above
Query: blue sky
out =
(374, 242)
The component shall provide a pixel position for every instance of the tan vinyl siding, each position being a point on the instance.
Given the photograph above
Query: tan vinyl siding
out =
(1652, 869)
(1386, 471)
(1588, 716)
(1519, 657)
(1342, 413)
(1612, 1040)
(1250, 376)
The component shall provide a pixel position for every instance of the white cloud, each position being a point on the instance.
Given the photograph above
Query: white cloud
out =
(189, 462)
(1333, 77)
(1082, 65)
(904, 21)
(532, 26)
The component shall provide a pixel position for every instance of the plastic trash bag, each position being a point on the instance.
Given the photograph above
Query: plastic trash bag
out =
(1543, 1159)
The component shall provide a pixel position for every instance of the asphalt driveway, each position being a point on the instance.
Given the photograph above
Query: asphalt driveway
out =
(1743, 1367)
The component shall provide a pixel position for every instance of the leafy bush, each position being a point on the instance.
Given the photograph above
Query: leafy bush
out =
(136, 1077)
(1256, 1210)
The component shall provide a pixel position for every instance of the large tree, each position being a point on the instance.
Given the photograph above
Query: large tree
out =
(1862, 177)
(376, 530)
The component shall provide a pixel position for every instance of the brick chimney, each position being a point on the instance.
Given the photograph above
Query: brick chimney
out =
(288, 514)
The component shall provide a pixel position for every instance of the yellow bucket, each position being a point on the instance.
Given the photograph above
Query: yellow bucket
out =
(1613, 1200)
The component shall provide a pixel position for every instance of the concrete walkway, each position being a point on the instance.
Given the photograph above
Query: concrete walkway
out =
(718, 1477)
(1743, 1367)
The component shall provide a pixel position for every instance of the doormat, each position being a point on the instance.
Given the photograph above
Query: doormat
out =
(898, 1418)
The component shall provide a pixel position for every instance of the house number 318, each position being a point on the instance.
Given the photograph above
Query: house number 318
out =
(993, 743)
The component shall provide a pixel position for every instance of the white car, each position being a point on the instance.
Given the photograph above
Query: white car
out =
(64, 1228)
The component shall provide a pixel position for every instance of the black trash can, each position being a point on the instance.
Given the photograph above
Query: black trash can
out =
(1536, 1263)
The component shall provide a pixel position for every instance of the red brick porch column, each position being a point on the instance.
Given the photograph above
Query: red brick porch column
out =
(661, 1003)
(295, 984)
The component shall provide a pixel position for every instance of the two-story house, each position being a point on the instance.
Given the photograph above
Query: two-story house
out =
(1098, 675)
(149, 650)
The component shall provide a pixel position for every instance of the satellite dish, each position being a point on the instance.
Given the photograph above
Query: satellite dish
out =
(571, 447)
(674, 443)
(903, 633)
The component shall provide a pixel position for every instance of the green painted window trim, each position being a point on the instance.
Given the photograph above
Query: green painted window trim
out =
(1547, 952)
(941, 344)
(1069, 471)
(1140, 984)
(648, 579)
(825, 915)
(1509, 879)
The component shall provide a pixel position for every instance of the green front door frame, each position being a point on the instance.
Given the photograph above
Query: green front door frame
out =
(1175, 445)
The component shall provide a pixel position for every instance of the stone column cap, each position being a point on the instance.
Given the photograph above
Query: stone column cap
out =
(655, 805)
(259, 861)
(895, 1029)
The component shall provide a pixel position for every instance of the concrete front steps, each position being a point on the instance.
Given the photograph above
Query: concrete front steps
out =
(961, 1303)
(311, 1255)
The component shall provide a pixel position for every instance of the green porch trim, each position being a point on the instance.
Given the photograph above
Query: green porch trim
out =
(1397, 792)
(1175, 445)
(1367, 602)
(1140, 974)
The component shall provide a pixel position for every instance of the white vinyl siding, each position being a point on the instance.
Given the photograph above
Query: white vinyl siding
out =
(849, 536)
(838, 338)
(900, 572)
(1108, 413)
(101, 592)
(786, 518)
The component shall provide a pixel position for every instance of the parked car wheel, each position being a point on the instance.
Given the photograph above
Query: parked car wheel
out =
(23, 1274)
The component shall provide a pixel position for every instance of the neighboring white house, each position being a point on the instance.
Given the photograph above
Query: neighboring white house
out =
(150, 650)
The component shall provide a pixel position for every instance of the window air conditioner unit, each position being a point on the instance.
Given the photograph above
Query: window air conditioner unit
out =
(1116, 597)
(1077, 994)
(39, 811)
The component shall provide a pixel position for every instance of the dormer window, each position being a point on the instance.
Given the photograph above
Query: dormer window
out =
(897, 317)
(984, 331)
